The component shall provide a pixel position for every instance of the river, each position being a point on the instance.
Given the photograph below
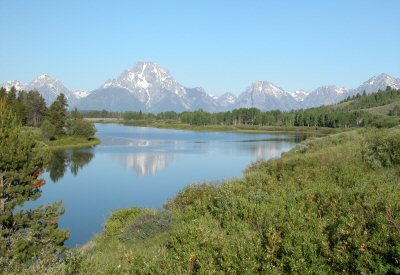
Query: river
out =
(139, 166)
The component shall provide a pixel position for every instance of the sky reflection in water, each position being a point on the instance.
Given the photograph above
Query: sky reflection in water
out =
(137, 166)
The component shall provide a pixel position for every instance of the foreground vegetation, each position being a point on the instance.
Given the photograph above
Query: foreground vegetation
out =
(329, 206)
(27, 236)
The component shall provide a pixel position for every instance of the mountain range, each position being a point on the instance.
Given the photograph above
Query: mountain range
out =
(150, 88)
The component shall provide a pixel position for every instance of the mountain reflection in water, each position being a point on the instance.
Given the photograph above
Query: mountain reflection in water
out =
(145, 164)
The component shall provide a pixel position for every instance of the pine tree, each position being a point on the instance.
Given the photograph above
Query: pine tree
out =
(58, 113)
(27, 236)
(11, 98)
(75, 114)
(3, 93)
(35, 108)
(20, 107)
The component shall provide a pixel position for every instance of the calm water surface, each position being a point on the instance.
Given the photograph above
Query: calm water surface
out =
(137, 166)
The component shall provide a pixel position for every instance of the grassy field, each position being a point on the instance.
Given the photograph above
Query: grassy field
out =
(329, 206)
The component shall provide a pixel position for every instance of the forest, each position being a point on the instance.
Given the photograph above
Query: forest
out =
(55, 122)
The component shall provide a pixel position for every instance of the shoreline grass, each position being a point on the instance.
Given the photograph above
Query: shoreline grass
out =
(69, 142)
(223, 128)
(73, 142)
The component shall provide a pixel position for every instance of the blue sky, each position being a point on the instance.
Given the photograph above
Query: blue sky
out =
(221, 45)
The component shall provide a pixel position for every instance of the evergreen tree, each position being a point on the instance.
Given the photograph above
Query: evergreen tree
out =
(26, 236)
(3, 93)
(11, 99)
(58, 113)
(20, 107)
(35, 109)
(75, 114)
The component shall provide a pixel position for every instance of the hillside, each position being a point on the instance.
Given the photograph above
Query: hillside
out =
(384, 109)
(328, 206)
(384, 103)
(366, 101)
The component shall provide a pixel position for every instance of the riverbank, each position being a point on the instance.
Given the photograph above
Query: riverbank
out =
(222, 128)
(329, 206)
(71, 142)
(62, 142)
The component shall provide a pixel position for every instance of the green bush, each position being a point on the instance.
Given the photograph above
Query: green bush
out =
(380, 121)
(149, 225)
(120, 219)
(48, 130)
(80, 128)
(382, 149)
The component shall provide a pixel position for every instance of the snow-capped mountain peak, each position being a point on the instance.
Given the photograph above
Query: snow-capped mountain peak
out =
(145, 80)
(299, 95)
(329, 89)
(228, 98)
(43, 76)
(227, 101)
(13, 83)
(379, 82)
(266, 87)
(49, 87)
(325, 95)
(266, 96)
(81, 94)
(147, 86)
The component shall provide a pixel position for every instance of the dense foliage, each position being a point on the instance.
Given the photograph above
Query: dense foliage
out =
(395, 111)
(55, 121)
(101, 114)
(57, 114)
(29, 107)
(28, 237)
(329, 206)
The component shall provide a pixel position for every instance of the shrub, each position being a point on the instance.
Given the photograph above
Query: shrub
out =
(149, 225)
(48, 130)
(120, 219)
(382, 149)
(80, 128)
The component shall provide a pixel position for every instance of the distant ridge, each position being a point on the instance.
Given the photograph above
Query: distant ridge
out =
(151, 88)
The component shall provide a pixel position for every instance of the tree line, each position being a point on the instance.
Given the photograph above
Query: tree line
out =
(55, 121)
(342, 115)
